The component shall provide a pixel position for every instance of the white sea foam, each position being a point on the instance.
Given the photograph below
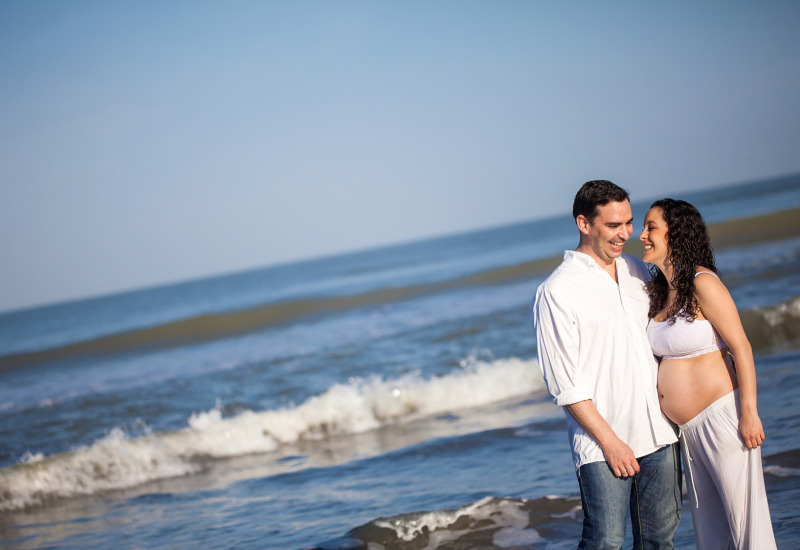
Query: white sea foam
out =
(118, 461)
(781, 471)
(505, 517)
(515, 521)
(780, 314)
(113, 462)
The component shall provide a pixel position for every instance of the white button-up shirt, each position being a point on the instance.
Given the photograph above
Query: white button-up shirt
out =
(590, 332)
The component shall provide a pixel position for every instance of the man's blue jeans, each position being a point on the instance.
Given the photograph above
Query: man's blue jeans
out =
(653, 497)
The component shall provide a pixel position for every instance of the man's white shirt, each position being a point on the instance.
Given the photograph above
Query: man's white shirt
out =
(590, 332)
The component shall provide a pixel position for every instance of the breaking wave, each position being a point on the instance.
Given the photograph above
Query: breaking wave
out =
(488, 523)
(773, 327)
(120, 461)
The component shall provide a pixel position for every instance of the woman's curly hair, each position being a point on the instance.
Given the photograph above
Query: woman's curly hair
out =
(688, 246)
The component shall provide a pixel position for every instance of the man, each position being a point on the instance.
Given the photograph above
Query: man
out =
(590, 317)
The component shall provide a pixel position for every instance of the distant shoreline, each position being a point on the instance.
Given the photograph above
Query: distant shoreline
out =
(738, 232)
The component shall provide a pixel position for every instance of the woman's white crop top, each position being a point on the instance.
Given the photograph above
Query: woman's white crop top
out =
(682, 339)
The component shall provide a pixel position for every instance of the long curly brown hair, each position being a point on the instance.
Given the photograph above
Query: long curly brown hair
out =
(688, 246)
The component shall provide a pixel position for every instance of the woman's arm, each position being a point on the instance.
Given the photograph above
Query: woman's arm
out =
(718, 307)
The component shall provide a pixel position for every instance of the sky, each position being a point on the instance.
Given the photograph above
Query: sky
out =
(149, 142)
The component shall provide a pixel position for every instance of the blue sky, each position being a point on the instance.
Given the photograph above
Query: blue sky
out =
(149, 142)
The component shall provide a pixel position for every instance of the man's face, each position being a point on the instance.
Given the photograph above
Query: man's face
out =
(603, 238)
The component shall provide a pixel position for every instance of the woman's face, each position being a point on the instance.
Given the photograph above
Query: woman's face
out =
(654, 237)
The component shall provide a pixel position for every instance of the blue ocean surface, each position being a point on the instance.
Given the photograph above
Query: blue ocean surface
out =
(389, 398)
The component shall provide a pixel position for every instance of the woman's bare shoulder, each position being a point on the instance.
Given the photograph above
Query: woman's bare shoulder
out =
(709, 290)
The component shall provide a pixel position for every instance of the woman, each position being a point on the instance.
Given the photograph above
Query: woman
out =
(695, 329)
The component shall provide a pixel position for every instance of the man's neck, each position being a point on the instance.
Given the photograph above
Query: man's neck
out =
(609, 266)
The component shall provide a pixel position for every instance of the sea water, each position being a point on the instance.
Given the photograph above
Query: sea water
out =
(385, 399)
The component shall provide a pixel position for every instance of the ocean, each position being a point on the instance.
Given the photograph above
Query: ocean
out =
(385, 399)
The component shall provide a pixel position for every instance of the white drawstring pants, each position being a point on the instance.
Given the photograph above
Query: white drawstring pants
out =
(726, 481)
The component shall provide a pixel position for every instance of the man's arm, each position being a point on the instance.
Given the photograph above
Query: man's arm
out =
(619, 456)
(558, 344)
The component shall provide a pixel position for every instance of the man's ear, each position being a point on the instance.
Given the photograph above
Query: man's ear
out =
(583, 224)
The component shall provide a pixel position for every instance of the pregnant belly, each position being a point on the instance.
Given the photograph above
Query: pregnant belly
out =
(687, 386)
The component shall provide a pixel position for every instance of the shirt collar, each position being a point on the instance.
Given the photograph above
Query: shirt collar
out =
(587, 263)
(582, 260)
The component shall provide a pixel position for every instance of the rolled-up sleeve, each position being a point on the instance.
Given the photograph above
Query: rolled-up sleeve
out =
(558, 341)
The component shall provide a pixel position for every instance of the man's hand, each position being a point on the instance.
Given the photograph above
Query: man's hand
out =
(620, 458)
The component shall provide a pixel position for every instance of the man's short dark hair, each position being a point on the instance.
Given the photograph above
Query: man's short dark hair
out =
(596, 193)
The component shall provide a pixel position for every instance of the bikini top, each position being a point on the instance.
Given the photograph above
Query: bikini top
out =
(684, 339)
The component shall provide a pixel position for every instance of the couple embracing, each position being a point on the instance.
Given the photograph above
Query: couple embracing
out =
(641, 360)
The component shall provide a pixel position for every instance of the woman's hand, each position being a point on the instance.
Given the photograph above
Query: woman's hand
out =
(751, 430)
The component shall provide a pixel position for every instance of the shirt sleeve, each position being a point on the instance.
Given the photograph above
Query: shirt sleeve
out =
(638, 269)
(558, 342)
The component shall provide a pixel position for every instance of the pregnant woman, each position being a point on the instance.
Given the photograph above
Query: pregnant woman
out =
(706, 380)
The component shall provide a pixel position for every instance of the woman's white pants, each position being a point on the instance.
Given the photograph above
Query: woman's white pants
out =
(725, 481)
